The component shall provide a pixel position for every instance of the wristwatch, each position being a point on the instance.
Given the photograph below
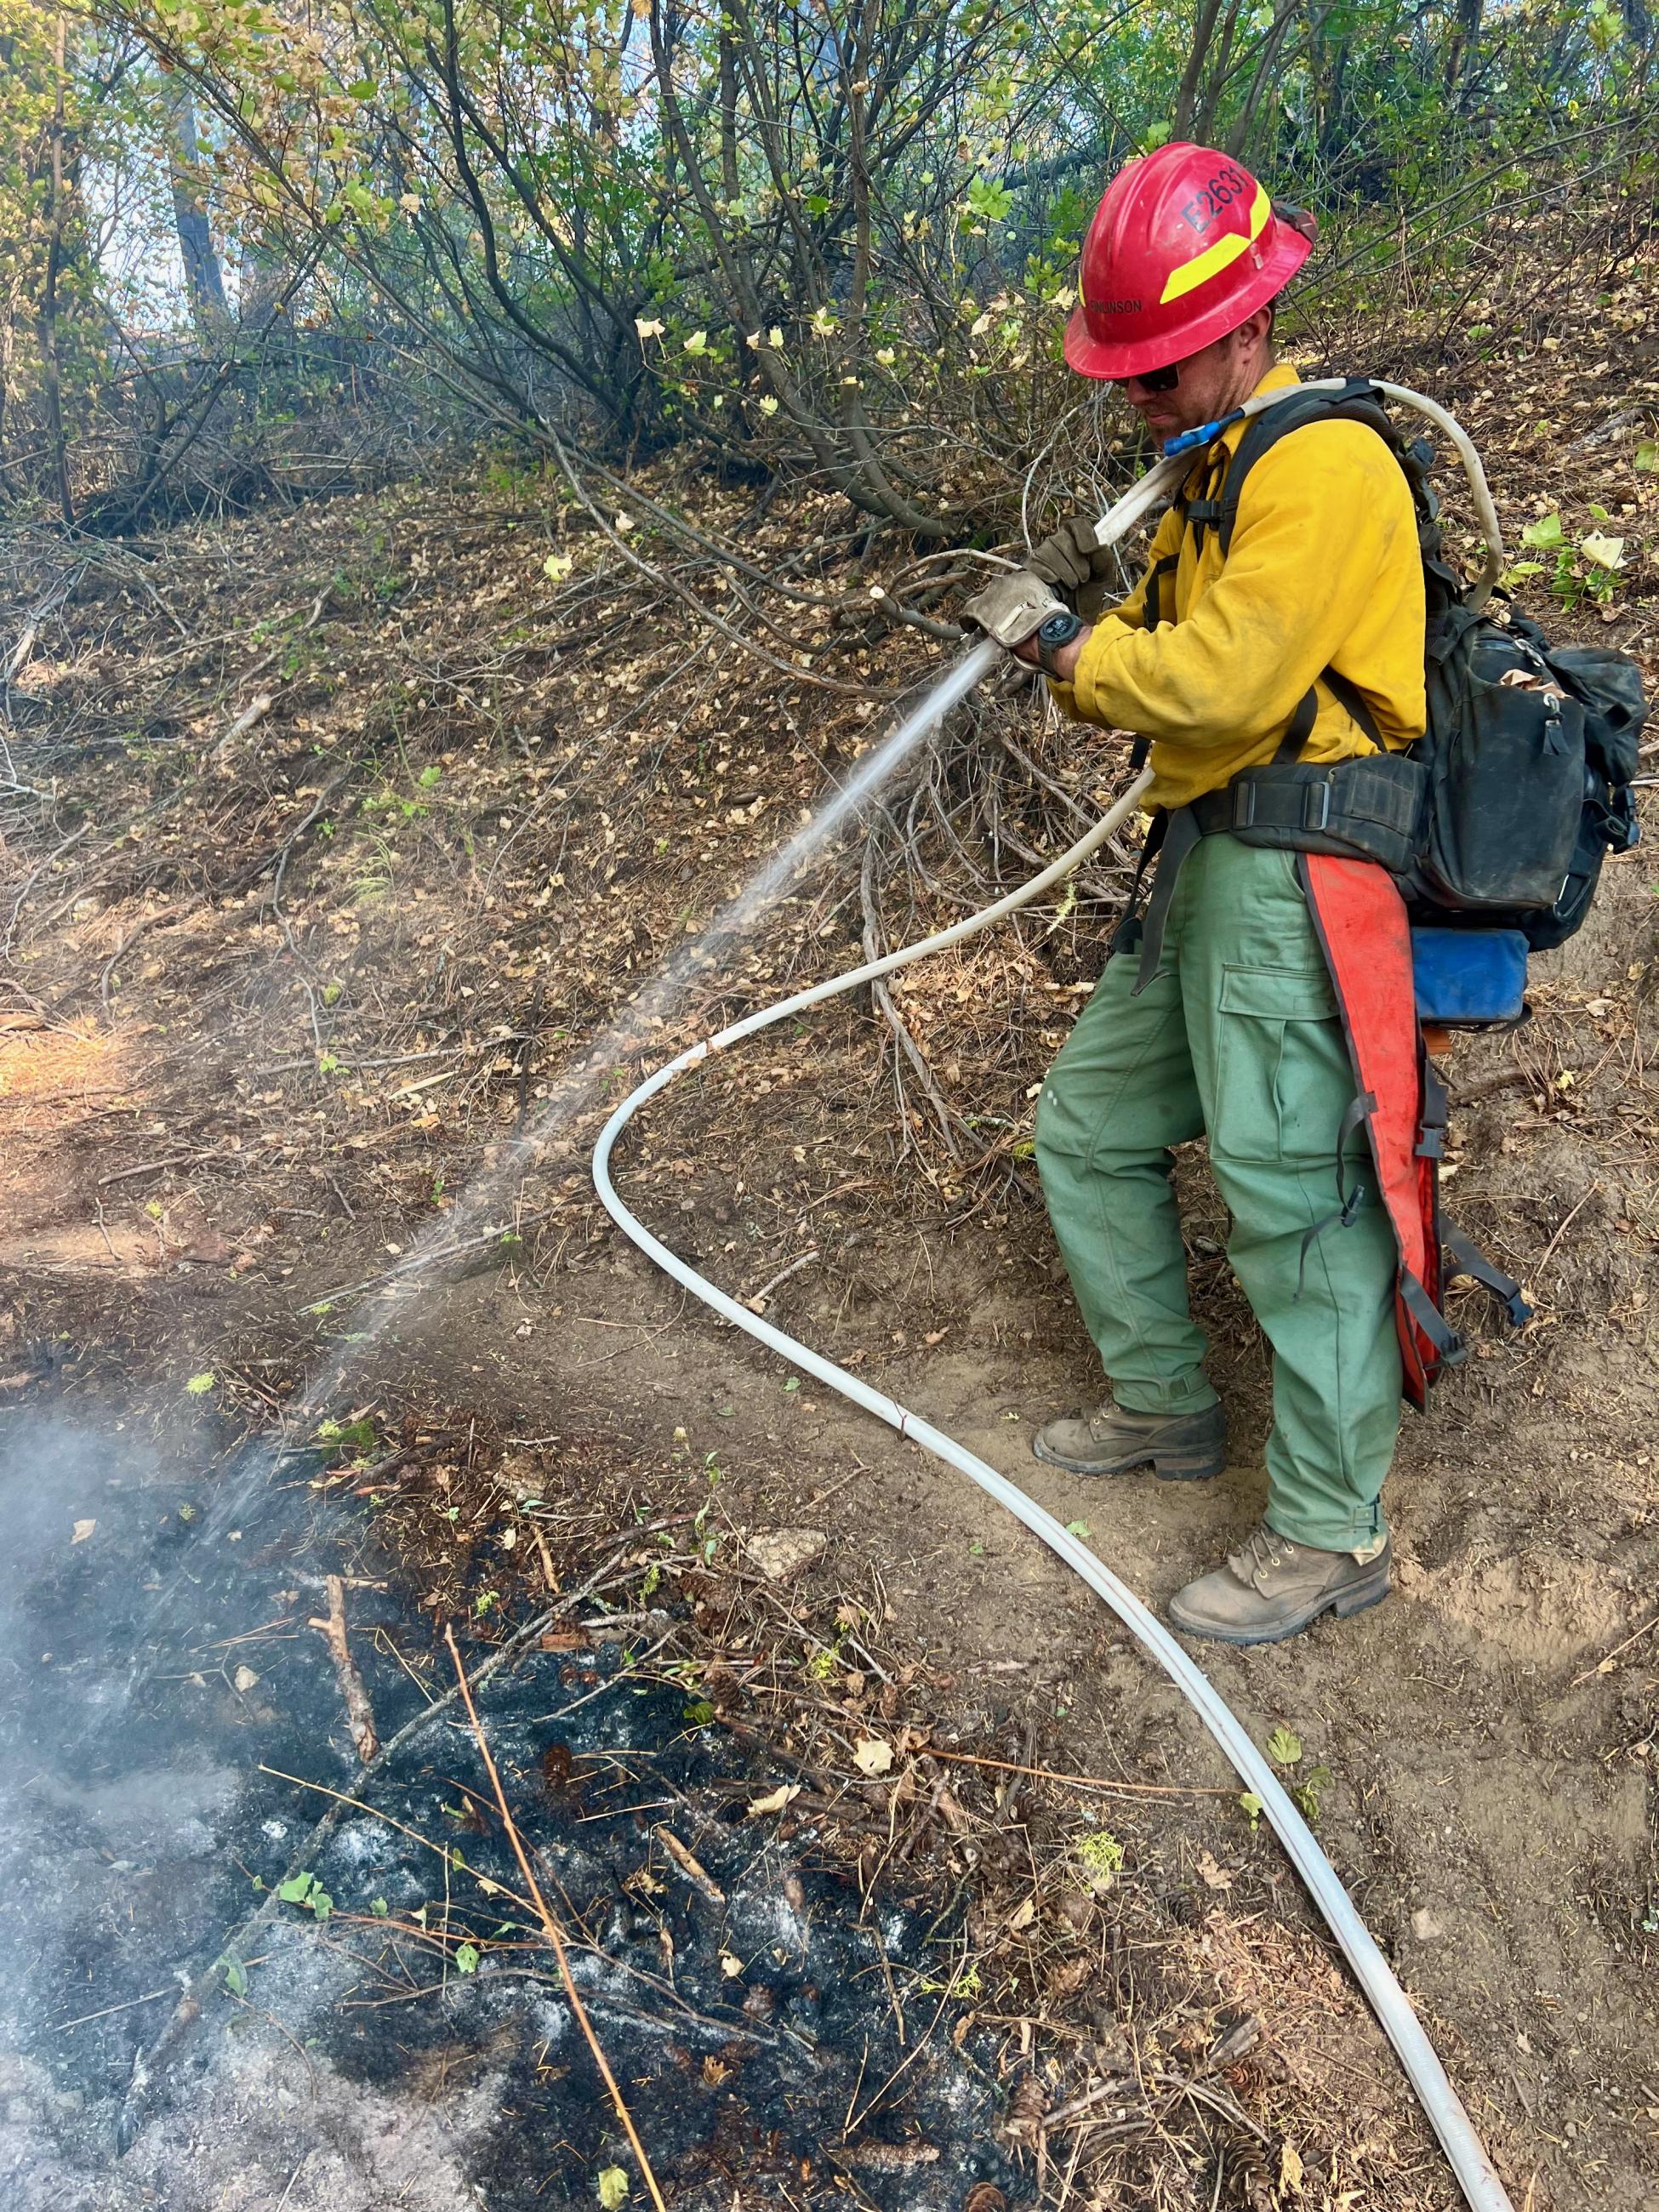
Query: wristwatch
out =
(1057, 632)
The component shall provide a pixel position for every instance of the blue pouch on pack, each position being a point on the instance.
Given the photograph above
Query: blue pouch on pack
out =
(1470, 978)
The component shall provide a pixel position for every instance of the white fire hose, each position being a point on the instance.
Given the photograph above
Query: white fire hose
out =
(1451, 2122)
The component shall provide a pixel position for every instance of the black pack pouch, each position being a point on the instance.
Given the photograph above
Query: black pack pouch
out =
(1505, 761)
(1529, 757)
(1608, 686)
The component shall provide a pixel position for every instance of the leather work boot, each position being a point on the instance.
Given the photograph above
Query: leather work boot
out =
(1179, 1447)
(1271, 1587)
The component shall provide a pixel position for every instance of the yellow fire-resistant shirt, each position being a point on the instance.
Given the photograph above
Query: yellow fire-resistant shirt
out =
(1324, 571)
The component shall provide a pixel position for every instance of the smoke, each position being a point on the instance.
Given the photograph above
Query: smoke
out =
(478, 1213)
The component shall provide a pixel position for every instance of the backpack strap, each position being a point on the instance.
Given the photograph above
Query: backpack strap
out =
(1152, 613)
(1356, 401)
(1463, 1258)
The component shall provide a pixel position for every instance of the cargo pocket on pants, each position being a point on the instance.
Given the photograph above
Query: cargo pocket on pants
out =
(1282, 1077)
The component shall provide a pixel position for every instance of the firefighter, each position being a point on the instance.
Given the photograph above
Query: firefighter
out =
(1217, 1017)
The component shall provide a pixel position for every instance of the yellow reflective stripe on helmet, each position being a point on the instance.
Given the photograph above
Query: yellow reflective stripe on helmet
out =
(1214, 258)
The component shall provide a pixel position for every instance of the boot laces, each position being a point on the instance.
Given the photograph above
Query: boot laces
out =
(1262, 1551)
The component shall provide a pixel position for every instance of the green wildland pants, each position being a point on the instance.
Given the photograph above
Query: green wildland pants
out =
(1236, 1037)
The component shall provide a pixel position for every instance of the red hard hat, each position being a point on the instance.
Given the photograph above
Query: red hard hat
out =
(1184, 248)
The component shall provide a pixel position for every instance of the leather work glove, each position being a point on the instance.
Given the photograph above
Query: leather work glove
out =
(1083, 575)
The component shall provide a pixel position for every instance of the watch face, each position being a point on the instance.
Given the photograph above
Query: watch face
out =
(1060, 629)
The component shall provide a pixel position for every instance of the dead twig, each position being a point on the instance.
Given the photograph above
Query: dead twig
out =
(1604, 1665)
(359, 1712)
(695, 1872)
(551, 1926)
(757, 1299)
(1081, 1781)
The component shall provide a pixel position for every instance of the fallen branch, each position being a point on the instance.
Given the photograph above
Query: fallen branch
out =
(551, 1926)
(359, 1712)
(255, 711)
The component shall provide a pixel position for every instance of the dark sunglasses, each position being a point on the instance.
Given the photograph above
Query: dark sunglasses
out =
(1156, 379)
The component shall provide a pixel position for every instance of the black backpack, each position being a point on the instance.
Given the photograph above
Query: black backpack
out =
(1530, 748)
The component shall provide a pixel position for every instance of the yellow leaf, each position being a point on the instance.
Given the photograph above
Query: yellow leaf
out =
(83, 1531)
(775, 1800)
(872, 1756)
(614, 2190)
(1290, 2168)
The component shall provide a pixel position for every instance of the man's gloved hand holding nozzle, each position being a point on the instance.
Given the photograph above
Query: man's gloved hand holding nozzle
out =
(1024, 613)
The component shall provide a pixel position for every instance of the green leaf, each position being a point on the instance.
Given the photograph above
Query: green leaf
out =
(1647, 456)
(378, 1907)
(614, 2190)
(466, 1959)
(1251, 1807)
(297, 1888)
(1080, 1528)
(1284, 1748)
(321, 1903)
(236, 1977)
(989, 199)
(199, 1385)
(429, 776)
(1546, 533)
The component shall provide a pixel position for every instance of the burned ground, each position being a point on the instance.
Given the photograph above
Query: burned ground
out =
(298, 1082)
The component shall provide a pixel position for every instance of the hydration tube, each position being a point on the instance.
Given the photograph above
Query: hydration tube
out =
(1475, 2174)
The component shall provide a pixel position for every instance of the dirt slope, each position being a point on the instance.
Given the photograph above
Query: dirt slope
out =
(288, 1000)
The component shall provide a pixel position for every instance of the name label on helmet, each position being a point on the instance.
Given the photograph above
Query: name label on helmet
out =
(1207, 207)
(1114, 307)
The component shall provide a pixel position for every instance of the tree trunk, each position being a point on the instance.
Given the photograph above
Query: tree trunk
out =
(1186, 106)
(1465, 44)
(51, 376)
(205, 284)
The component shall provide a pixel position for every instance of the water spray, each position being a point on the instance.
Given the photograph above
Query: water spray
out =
(1011, 611)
